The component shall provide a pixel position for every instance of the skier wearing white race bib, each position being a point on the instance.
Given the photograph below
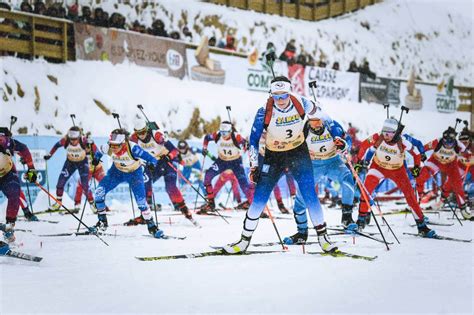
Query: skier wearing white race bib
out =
(284, 118)
(326, 140)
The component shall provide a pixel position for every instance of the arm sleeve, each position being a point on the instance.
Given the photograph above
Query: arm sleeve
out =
(58, 144)
(417, 143)
(23, 151)
(207, 138)
(366, 144)
(430, 145)
(139, 153)
(336, 130)
(413, 150)
(255, 135)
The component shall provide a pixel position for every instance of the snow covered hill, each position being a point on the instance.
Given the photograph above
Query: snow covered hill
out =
(435, 37)
(43, 95)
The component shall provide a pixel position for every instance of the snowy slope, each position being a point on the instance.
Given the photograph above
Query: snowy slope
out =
(82, 275)
(434, 36)
(170, 101)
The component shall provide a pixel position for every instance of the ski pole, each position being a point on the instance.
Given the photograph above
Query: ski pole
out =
(385, 221)
(69, 211)
(153, 124)
(196, 190)
(200, 175)
(364, 194)
(72, 118)
(274, 225)
(312, 85)
(47, 181)
(28, 192)
(387, 106)
(85, 201)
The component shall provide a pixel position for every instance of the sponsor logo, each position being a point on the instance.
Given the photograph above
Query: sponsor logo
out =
(174, 60)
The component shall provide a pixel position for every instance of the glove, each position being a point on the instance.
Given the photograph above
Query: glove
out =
(358, 167)
(423, 157)
(31, 175)
(47, 157)
(415, 171)
(151, 167)
(165, 159)
(341, 144)
(204, 152)
(95, 161)
(254, 175)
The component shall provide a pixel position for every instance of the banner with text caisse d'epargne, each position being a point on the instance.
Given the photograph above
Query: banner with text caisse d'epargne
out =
(339, 85)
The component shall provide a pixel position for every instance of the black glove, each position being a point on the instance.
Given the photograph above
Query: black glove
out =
(31, 175)
(165, 159)
(47, 157)
(204, 152)
(254, 175)
(95, 161)
(423, 157)
(415, 171)
(151, 167)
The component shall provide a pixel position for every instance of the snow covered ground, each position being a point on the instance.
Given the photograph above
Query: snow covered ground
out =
(82, 275)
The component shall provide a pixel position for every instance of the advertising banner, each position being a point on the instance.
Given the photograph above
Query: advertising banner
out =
(333, 84)
(98, 43)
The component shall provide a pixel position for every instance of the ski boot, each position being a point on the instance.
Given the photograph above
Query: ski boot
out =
(264, 215)
(135, 221)
(210, 206)
(299, 238)
(77, 208)
(282, 207)
(102, 224)
(323, 239)
(466, 213)
(187, 213)
(346, 219)
(424, 230)
(244, 205)
(153, 229)
(30, 216)
(8, 231)
(55, 207)
(334, 201)
(4, 248)
(238, 247)
(362, 220)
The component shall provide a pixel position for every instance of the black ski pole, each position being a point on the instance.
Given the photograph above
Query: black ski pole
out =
(47, 181)
(69, 211)
(385, 221)
(85, 201)
(228, 108)
(153, 124)
(13, 120)
(117, 116)
(72, 118)
(312, 85)
(28, 192)
(387, 107)
(200, 175)
(458, 120)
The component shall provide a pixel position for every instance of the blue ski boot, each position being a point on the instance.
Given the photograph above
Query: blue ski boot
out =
(102, 224)
(4, 248)
(153, 229)
(362, 221)
(30, 216)
(8, 232)
(346, 220)
(424, 230)
(299, 238)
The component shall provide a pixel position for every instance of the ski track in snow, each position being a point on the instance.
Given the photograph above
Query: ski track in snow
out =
(82, 275)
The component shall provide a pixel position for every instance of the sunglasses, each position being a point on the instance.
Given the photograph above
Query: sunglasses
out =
(388, 133)
(142, 132)
(277, 97)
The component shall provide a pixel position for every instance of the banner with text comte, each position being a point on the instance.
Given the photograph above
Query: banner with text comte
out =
(332, 84)
(98, 43)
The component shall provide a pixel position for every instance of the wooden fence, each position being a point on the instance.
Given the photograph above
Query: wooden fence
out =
(30, 35)
(311, 10)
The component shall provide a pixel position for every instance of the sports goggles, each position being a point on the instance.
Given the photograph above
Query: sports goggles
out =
(283, 96)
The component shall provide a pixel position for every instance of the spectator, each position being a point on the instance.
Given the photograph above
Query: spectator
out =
(158, 29)
(289, 52)
(137, 27)
(230, 43)
(117, 20)
(365, 69)
(335, 66)
(175, 35)
(40, 8)
(322, 64)
(212, 42)
(73, 13)
(5, 6)
(221, 44)
(188, 36)
(26, 7)
(86, 15)
(301, 60)
(353, 67)
(99, 18)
